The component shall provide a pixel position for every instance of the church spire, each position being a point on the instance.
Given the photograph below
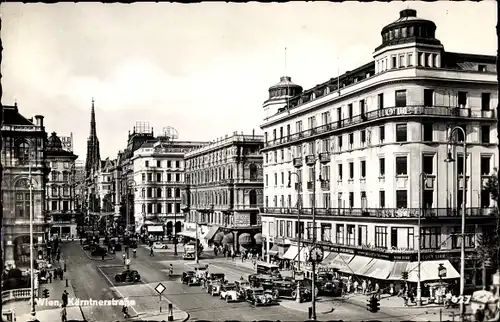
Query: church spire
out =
(93, 161)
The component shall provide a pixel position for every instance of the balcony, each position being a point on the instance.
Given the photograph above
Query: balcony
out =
(385, 113)
(310, 160)
(324, 157)
(297, 162)
(431, 213)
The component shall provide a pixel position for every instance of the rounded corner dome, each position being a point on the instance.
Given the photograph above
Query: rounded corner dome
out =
(54, 142)
(285, 88)
(408, 28)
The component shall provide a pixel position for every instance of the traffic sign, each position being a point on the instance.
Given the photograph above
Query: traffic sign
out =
(441, 271)
(160, 288)
(127, 261)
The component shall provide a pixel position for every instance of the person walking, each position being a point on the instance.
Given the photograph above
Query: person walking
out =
(363, 287)
(151, 251)
(64, 298)
(64, 315)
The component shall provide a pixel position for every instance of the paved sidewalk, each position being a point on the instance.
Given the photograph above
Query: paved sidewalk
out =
(53, 315)
(178, 315)
(322, 307)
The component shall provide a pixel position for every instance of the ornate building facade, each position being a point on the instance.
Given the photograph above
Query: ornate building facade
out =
(159, 178)
(366, 153)
(60, 190)
(223, 191)
(24, 166)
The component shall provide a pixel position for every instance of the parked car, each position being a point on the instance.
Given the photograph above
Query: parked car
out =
(214, 287)
(257, 296)
(230, 293)
(98, 251)
(128, 276)
(211, 279)
(190, 278)
(288, 290)
(159, 245)
(263, 280)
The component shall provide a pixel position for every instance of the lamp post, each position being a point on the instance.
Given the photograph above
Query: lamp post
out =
(464, 201)
(311, 161)
(422, 178)
(299, 231)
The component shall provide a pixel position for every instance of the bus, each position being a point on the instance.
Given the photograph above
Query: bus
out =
(267, 268)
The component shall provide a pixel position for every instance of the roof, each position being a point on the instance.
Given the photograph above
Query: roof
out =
(11, 116)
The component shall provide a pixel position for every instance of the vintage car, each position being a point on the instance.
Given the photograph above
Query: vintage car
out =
(257, 296)
(230, 293)
(263, 280)
(214, 287)
(190, 278)
(212, 278)
(200, 271)
(288, 290)
(128, 276)
(330, 288)
(307, 283)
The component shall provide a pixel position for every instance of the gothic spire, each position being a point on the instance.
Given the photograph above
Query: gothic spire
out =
(93, 154)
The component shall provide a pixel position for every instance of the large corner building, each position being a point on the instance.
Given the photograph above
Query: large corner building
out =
(368, 151)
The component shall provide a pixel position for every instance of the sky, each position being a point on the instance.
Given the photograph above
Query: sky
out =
(203, 69)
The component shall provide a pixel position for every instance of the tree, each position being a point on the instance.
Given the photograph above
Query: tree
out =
(492, 186)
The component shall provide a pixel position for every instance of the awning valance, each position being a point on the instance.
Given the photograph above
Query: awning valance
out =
(291, 253)
(397, 271)
(211, 232)
(378, 269)
(304, 254)
(273, 251)
(357, 264)
(340, 261)
(188, 233)
(155, 229)
(429, 270)
(328, 258)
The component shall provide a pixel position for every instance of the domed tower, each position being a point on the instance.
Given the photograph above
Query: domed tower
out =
(279, 95)
(54, 143)
(408, 41)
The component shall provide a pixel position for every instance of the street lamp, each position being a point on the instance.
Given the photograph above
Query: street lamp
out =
(422, 178)
(311, 161)
(298, 186)
(464, 201)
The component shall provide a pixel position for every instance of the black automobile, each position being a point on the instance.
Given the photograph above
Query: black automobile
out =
(263, 280)
(257, 296)
(190, 278)
(213, 278)
(288, 290)
(98, 251)
(307, 283)
(128, 276)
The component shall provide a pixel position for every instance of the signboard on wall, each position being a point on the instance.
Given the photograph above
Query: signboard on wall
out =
(67, 142)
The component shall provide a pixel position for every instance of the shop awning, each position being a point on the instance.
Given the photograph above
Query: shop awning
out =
(273, 251)
(397, 271)
(190, 234)
(378, 269)
(429, 271)
(304, 254)
(328, 258)
(291, 253)
(340, 262)
(358, 263)
(211, 232)
(155, 229)
(325, 256)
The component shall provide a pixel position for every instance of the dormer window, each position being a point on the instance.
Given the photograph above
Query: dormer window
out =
(396, 33)
(410, 31)
(391, 35)
(403, 32)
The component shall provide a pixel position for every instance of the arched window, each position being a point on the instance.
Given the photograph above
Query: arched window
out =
(159, 208)
(55, 192)
(54, 175)
(143, 192)
(150, 208)
(158, 192)
(253, 198)
(169, 192)
(22, 151)
(143, 208)
(253, 172)
(22, 207)
(66, 191)
(177, 193)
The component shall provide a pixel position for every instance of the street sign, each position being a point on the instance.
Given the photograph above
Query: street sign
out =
(299, 276)
(127, 261)
(160, 288)
(441, 271)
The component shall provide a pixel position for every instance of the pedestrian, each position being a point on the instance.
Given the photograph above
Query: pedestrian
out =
(363, 287)
(65, 298)
(58, 257)
(233, 255)
(215, 251)
(377, 290)
(50, 277)
(102, 255)
(355, 286)
(64, 316)
(151, 251)
(61, 272)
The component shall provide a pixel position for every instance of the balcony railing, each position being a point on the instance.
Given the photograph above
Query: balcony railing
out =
(16, 294)
(389, 112)
(324, 157)
(388, 212)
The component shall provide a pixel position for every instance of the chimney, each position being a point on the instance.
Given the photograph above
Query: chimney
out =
(253, 133)
(39, 120)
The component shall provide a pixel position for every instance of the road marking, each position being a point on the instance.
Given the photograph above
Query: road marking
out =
(88, 256)
(173, 305)
(116, 289)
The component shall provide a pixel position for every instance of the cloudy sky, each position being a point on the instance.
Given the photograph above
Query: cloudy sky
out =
(203, 69)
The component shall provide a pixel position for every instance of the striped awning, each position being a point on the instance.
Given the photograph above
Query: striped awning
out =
(397, 271)
(340, 262)
(273, 251)
(378, 269)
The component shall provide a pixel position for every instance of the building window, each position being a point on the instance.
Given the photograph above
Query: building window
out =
(351, 139)
(401, 61)
(380, 236)
(428, 97)
(382, 133)
(326, 232)
(381, 166)
(339, 234)
(65, 205)
(362, 235)
(401, 199)
(427, 132)
(351, 199)
(178, 177)
(177, 164)
(55, 191)
(402, 237)
(428, 164)
(363, 169)
(339, 166)
(158, 177)
(363, 136)
(54, 176)
(485, 165)
(143, 176)
(456, 239)
(349, 111)
(485, 101)
(169, 208)
(401, 98)
(410, 60)
(339, 139)
(66, 191)
(460, 165)
(351, 238)
(150, 177)
(401, 133)
(146, 164)
(54, 205)
(149, 193)
(462, 99)
(22, 204)
(485, 134)
(401, 166)
(158, 192)
(394, 62)
(380, 101)
(351, 170)
(485, 199)
(381, 197)
(169, 178)
(431, 238)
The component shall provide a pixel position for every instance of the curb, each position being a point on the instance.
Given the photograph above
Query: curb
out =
(304, 311)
